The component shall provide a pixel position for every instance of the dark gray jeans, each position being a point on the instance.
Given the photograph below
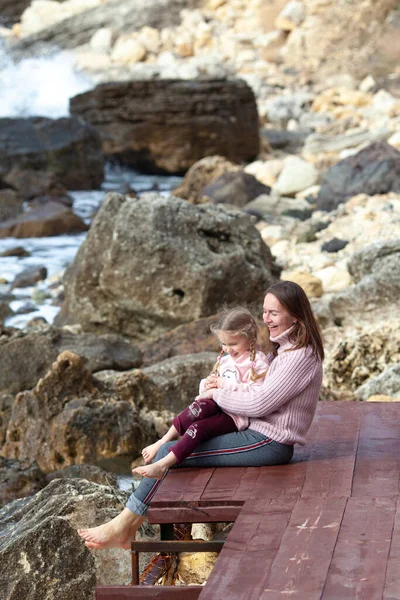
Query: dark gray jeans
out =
(246, 448)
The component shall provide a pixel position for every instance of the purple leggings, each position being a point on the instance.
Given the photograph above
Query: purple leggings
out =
(199, 422)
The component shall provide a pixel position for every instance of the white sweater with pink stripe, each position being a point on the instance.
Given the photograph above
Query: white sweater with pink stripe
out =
(283, 407)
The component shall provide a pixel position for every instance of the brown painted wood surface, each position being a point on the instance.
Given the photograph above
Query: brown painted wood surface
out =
(324, 527)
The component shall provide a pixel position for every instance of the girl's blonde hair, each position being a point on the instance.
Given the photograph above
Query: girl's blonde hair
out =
(239, 321)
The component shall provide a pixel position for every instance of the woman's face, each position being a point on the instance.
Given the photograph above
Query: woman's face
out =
(275, 316)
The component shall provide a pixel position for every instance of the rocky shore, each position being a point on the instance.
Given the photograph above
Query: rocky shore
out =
(284, 118)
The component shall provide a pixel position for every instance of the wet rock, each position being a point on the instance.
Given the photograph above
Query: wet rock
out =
(29, 277)
(5, 311)
(52, 218)
(18, 251)
(26, 308)
(40, 546)
(69, 418)
(201, 174)
(236, 188)
(10, 204)
(387, 383)
(373, 170)
(38, 153)
(183, 263)
(141, 127)
(334, 245)
(18, 480)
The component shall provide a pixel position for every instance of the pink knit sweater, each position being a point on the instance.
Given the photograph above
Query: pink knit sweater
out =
(235, 375)
(283, 407)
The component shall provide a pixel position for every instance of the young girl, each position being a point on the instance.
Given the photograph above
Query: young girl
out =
(243, 366)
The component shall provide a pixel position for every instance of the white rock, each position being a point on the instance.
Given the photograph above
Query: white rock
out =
(102, 40)
(296, 175)
(394, 140)
(271, 234)
(128, 50)
(311, 191)
(334, 278)
(150, 39)
(367, 84)
(265, 171)
(44, 13)
(291, 16)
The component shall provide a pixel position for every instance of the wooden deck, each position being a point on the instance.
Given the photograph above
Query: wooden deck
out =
(324, 527)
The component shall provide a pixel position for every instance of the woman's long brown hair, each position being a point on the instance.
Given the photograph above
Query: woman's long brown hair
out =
(306, 331)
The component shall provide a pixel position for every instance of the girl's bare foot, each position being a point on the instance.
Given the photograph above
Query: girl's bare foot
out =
(149, 452)
(155, 470)
(117, 533)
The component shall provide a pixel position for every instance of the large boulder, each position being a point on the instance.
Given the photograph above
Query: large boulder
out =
(149, 265)
(168, 125)
(386, 383)
(37, 154)
(69, 418)
(41, 555)
(10, 204)
(376, 271)
(373, 170)
(200, 174)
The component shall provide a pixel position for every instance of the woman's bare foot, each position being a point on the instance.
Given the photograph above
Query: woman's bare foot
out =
(117, 533)
(149, 452)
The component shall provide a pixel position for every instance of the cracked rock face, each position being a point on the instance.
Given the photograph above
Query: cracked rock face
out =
(149, 265)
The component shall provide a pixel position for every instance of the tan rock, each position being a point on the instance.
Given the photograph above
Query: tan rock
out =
(383, 398)
(128, 50)
(291, 16)
(310, 284)
(195, 568)
(265, 171)
(200, 174)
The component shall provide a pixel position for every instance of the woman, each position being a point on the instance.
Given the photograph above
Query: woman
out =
(280, 410)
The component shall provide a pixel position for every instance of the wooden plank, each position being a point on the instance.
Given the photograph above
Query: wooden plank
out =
(248, 551)
(303, 558)
(195, 514)
(358, 566)
(126, 592)
(392, 584)
(177, 546)
(377, 469)
(331, 464)
(226, 482)
(182, 485)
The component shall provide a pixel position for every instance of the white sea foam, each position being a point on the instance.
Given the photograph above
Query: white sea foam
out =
(39, 86)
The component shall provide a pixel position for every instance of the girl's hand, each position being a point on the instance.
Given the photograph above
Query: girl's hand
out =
(207, 394)
(211, 382)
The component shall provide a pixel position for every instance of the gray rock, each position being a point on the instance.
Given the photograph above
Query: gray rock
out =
(18, 480)
(167, 125)
(320, 143)
(373, 170)
(236, 188)
(11, 11)
(387, 383)
(178, 378)
(334, 245)
(41, 555)
(376, 271)
(10, 204)
(37, 154)
(282, 139)
(151, 264)
(30, 276)
(18, 251)
(89, 472)
(282, 108)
